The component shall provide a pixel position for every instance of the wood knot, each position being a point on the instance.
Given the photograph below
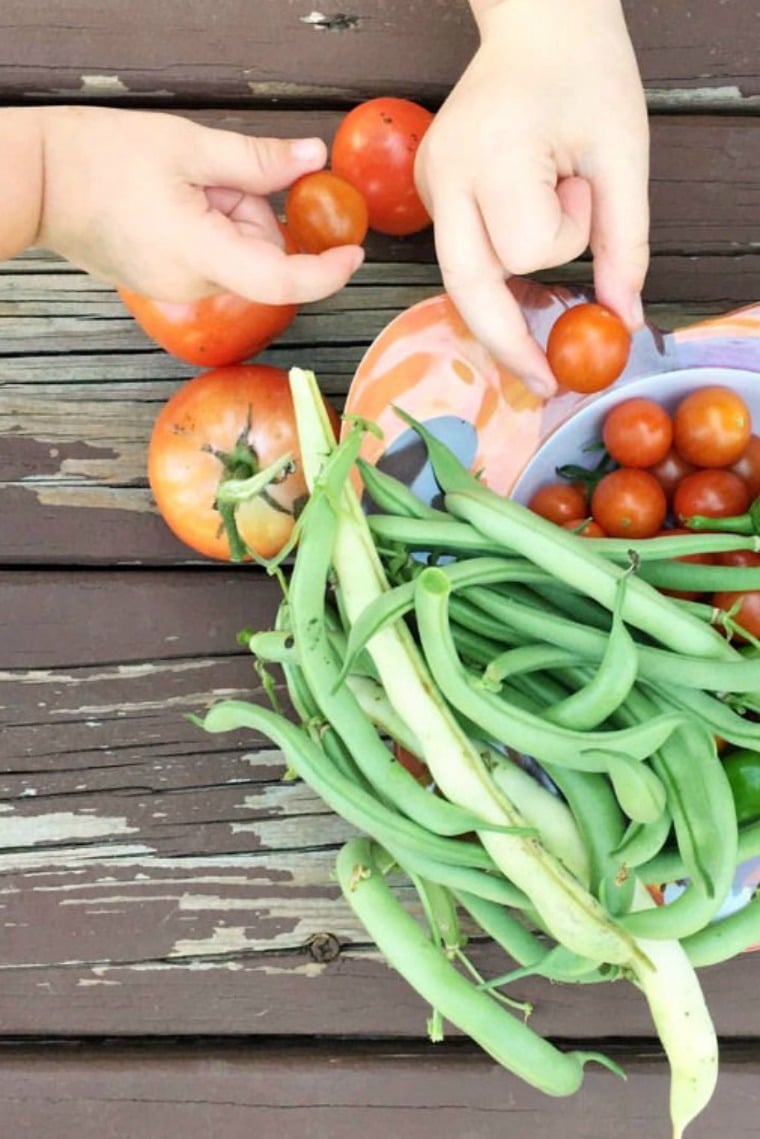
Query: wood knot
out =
(338, 22)
(323, 947)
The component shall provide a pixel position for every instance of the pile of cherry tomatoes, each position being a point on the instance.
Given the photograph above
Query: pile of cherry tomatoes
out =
(656, 470)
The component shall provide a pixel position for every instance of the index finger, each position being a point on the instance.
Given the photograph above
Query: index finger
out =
(474, 279)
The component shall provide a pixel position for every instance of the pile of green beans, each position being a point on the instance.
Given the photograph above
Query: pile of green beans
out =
(486, 641)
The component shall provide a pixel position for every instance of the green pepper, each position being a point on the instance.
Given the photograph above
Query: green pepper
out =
(743, 770)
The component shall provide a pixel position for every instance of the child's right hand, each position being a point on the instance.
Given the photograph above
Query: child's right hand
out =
(540, 151)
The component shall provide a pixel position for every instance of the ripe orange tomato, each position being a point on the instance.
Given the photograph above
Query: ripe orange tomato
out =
(323, 210)
(637, 432)
(227, 424)
(213, 331)
(712, 426)
(374, 149)
(559, 502)
(588, 348)
(629, 503)
(713, 492)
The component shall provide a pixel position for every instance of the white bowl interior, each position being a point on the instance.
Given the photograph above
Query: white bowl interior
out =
(567, 442)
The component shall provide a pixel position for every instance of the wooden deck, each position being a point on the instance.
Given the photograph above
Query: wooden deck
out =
(175, 958)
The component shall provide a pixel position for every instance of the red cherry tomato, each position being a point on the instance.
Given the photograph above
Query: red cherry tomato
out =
(747, 466)
(747, 613)
(213, 331)
(239, 417)
(629, 503)
(711, 426)
(559, 502)
(712, 492)
(374, 148)
(323, 210)
(742, 558)
(588, 348)
(585, 527)
(637, 432)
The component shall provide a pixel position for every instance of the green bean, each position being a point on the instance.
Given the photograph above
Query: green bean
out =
(394, 604)
(683, 1024)
(725, 938)
(565, 555)
(404, 944)
(569, 558)
(669, 866)
(655, 664)
(703, 578)
(448, 535)
(525, 658)
(545, 811)
(591, 704)
(342, 795)
(392, 496)
(524, 732)
(704, 821)
(641, 842)
(336, 701)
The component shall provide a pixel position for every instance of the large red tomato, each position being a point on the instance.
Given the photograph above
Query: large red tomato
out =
(213, 331)
(227, 425)
(374, 148)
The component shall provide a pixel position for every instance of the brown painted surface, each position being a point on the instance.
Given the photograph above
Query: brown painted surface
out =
(282, 50)
(335, 1093)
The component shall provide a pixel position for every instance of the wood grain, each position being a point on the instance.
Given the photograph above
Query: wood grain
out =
(246, 50)
(331, 1093)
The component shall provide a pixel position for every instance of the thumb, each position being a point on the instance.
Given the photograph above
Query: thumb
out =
(620, 238)
(256, 165)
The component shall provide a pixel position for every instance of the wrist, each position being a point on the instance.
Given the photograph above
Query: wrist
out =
(485, 10)
(22, 178)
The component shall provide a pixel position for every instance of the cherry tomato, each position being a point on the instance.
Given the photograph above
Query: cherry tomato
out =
(374, 148)
(711, 426)
(323, 210)
(637, 432)
(588, 348)
(697, 559)
(237, 419)
(585, 527)
(559, 502)
(742, 558)
(747, 613)
(747, 466)
(629, 503)
(213, 331)
(670, 470)
(742, 767)
(713, 492)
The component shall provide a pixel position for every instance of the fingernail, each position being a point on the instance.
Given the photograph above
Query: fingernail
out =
(308, 149)
(358, 260)
(540, 387)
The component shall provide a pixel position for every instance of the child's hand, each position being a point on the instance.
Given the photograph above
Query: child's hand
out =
(175, 210)
(540, 151)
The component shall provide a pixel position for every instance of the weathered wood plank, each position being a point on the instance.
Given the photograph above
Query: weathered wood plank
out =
(245, 52)
(88, 1091)
(152, 877)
